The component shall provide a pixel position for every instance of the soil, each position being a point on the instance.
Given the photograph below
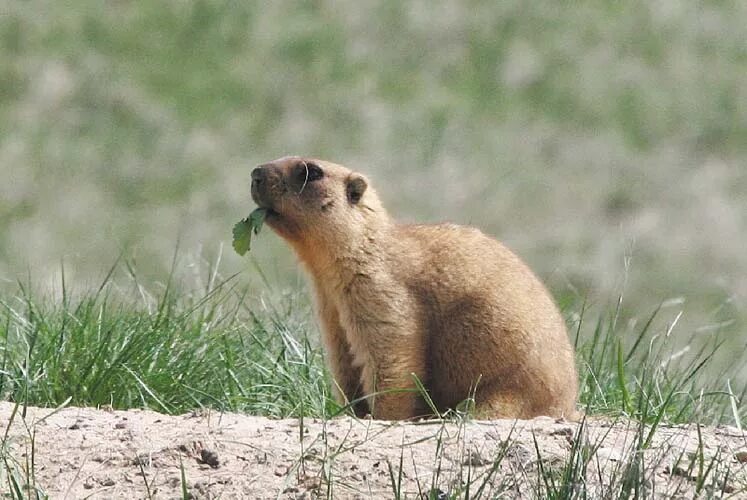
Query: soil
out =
(99, 453)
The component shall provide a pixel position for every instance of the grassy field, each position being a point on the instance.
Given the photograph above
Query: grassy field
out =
(174, 349)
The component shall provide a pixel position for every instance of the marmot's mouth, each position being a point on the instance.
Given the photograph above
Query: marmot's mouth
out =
(262, 203)
(269, 211)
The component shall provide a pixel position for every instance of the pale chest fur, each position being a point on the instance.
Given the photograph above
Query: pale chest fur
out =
(367, 305)
(345, 306)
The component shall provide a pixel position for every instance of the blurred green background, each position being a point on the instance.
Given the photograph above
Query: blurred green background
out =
(605, 142)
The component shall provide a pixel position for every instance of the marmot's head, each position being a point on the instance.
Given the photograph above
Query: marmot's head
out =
(315, 202)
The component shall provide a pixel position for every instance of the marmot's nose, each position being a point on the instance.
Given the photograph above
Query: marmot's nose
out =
(258, 175)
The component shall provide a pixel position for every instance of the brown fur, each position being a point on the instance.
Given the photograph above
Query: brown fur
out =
(443, 302)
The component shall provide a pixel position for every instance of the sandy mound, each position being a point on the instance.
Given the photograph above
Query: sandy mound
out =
(83, 452)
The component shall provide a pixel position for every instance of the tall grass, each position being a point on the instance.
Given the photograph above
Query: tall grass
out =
(174, 348)
(169, 350)
(649, 370)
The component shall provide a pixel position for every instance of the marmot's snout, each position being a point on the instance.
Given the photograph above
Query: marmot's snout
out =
(258, 175)
(271, 182)
(262, 186)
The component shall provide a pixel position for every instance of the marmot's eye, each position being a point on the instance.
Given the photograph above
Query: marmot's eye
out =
(309, 172)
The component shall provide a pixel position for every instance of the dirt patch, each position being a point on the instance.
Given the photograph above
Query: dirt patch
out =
(84, 452)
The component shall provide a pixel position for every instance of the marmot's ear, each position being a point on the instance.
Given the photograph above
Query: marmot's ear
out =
(356, 186)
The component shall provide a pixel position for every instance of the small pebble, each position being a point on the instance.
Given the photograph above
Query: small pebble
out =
(210, 458)
(563, 431)
(475, 459)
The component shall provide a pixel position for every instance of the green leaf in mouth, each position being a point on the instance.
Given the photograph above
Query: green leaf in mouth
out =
(242, 231)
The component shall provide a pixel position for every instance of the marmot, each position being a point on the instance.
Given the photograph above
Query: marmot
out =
(443, 303)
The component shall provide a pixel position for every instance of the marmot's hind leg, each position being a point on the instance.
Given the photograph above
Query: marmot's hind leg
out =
(498, 402)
